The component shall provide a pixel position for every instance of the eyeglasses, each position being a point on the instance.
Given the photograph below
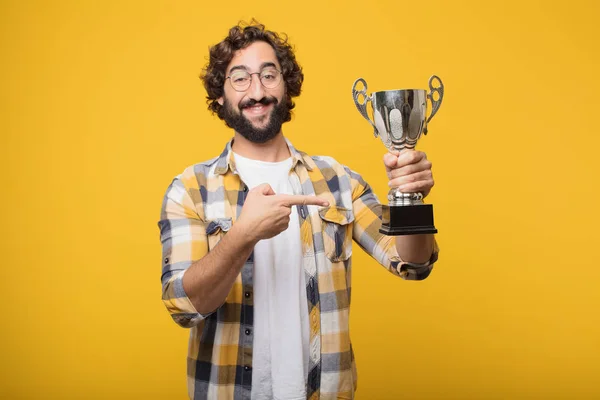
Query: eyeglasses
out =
(240, 80)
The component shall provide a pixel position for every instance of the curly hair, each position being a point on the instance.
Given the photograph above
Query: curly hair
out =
(240, 37)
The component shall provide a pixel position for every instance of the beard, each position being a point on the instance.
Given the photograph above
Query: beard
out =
(235, 119)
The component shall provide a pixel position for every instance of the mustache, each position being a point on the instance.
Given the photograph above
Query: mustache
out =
(265, 101)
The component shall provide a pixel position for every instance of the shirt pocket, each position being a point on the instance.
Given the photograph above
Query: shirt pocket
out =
(216, 229)
(337, 232)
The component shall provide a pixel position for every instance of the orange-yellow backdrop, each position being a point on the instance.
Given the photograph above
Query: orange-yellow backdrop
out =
(101, 106)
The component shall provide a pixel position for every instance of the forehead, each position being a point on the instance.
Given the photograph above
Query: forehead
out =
(253, 57)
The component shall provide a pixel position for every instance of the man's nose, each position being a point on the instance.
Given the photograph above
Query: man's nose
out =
(256, 90)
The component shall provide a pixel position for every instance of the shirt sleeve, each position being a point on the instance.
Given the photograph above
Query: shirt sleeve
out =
(184, 240)
(367, 221)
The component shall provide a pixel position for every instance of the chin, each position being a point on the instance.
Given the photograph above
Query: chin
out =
(261, 126)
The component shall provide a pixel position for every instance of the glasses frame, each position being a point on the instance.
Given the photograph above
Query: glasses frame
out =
(260, 80)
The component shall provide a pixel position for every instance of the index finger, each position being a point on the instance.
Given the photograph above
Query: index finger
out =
(289, 200)
(408, 157)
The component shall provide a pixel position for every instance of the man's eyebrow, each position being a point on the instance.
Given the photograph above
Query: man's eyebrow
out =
(264, 65)
(236, 67)
(267, 64)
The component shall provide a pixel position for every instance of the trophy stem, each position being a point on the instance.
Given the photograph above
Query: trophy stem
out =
(398, 198)
(402, 146)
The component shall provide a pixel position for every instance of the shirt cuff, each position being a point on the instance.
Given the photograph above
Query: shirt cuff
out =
(180, 306)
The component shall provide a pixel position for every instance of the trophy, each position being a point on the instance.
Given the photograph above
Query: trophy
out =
(400, 116)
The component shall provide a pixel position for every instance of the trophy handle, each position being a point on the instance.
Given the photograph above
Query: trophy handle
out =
(435, 105)
(362, 105)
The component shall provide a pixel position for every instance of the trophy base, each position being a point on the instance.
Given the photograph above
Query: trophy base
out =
(407, 220)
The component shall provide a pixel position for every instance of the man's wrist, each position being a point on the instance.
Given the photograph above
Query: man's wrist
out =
(415, 249)
(243, 235)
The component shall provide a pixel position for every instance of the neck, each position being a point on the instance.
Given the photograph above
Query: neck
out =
(274, 150)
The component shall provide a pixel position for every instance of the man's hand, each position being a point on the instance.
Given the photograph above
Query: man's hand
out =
(266, 214)
(409, 170)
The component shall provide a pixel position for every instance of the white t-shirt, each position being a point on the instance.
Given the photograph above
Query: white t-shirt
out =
(281, 324)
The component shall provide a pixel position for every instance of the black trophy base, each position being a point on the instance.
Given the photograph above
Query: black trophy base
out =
(407, 220)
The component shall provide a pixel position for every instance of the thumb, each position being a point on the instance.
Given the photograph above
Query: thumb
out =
(266, 189)
(390, 160)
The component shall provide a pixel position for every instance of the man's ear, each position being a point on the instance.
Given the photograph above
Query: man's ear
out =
(220, 100)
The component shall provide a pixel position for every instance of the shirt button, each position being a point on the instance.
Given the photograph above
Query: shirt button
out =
(247, 368)
(247, 331)
(247, 294)
(245, 189)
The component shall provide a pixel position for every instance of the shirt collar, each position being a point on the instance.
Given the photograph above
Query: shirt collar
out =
(226, 161)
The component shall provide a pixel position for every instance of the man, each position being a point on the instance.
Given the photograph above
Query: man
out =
(257, 242)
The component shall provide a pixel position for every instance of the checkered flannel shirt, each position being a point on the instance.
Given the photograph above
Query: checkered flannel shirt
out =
(199, 208)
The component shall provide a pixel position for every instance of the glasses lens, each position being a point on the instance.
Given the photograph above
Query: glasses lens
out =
(240, 80)
(270, 77)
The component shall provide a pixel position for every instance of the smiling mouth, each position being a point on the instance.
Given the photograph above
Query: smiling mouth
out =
(257, 109)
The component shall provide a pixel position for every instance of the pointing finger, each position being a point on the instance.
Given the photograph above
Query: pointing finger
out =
(292, 200)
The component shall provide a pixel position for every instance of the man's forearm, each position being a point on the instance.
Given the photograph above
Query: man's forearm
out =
(415, 248)
(208, 281)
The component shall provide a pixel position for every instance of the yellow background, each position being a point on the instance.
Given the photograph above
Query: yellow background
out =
(101, 107)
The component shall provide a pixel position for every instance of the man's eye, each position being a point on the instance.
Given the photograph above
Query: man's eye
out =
(239, 79)
(269, 74)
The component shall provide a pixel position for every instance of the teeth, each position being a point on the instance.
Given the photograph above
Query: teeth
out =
(256, 107)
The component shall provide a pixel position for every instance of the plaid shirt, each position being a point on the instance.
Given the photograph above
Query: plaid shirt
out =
(199, 208)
